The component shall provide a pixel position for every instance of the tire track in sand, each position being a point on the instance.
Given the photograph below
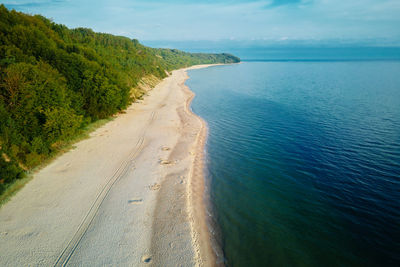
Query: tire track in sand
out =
(67, 253)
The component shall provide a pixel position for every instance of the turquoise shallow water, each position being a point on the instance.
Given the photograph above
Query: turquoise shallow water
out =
(303, 161)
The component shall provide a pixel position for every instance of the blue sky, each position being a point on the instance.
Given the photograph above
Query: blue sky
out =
(271, 21)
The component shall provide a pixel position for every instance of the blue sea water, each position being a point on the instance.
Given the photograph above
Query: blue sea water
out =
(303, 161)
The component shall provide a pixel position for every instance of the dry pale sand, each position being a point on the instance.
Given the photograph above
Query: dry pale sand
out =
(130, 195)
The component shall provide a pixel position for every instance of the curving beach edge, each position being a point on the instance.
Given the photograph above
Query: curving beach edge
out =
(196, 206)
(189, 220)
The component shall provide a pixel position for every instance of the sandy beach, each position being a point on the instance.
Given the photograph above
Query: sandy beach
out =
(130, 195)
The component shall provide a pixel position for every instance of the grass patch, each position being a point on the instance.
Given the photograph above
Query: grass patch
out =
(13, 188)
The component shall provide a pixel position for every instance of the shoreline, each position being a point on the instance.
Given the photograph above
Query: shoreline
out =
(201, 236)
(193, 201)
(145, 206)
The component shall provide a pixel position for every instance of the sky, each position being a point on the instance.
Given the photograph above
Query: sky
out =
(265, 21)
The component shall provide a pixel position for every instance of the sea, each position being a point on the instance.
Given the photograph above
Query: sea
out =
(303, 159)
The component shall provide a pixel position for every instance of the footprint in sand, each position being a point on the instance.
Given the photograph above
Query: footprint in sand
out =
(165, 162)
(135, 201)
(182, 179)
(64, 168)
(146, 259)
(154, 187)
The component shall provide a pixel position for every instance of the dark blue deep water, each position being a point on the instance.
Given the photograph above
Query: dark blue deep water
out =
(303, 161)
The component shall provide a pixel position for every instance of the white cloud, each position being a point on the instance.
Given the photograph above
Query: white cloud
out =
(160, 20)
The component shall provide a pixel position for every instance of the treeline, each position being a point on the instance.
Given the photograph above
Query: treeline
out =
(174, 58)
(54, 81)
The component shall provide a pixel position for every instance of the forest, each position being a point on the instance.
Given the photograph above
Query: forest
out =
(55, 81)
